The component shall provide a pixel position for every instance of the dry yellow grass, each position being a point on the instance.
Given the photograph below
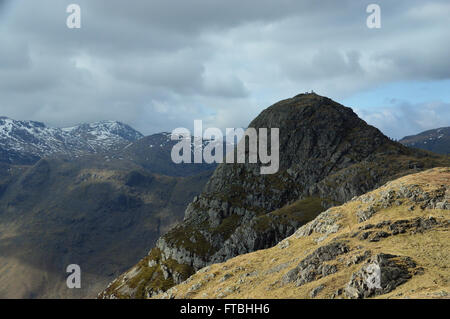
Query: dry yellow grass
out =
(258, 274)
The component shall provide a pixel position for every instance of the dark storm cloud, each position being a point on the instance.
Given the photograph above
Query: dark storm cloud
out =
(160, 64)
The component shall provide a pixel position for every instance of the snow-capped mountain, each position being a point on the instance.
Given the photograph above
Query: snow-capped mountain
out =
(437, 140)
(24, 142)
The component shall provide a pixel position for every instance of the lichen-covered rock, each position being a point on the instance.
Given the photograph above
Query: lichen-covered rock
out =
(380, 275)
(365, 214)
(436, 199)
(316, 291)
(325, 223)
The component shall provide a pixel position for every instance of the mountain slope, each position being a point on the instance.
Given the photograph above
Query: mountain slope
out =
(437, 140)
(327, 156)
(154, 154)
(97, 212)
(402, 229)
(25, 142)
(67, 195)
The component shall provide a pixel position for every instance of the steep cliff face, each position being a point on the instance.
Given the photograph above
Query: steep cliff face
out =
(389, 243)
(327, 156)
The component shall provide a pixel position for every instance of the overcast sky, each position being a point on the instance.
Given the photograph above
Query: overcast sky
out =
(157, 65)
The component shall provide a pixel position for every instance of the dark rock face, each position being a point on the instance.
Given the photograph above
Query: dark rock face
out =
(317, 138)
(328, 155)
(314, 265)
(380, 275)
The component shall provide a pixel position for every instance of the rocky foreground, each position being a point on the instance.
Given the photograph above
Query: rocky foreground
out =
(400, 231)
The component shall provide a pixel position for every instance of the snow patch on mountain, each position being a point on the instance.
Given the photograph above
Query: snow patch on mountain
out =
(26, 141)
(437, 140)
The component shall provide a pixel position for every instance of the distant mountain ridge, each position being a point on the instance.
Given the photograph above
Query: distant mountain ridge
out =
(153, 152)
(436, 140)
(25, 142)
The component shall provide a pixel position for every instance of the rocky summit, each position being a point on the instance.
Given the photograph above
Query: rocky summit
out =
(328, 155)
(399, 251)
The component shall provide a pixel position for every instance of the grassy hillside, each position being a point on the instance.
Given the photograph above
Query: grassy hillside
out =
(402, 227)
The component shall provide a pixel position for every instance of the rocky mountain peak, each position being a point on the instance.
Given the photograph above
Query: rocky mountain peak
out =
(327, 156)
(317, 137)
(104, 129)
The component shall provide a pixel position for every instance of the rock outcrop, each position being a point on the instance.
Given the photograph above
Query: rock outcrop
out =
(313, 266)
(328, 155)
(379, 276)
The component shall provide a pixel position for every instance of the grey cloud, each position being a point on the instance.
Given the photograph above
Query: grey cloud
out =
(14, 55)
(160, 64)
(179, 72)
(402, 119)
(324, 64)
